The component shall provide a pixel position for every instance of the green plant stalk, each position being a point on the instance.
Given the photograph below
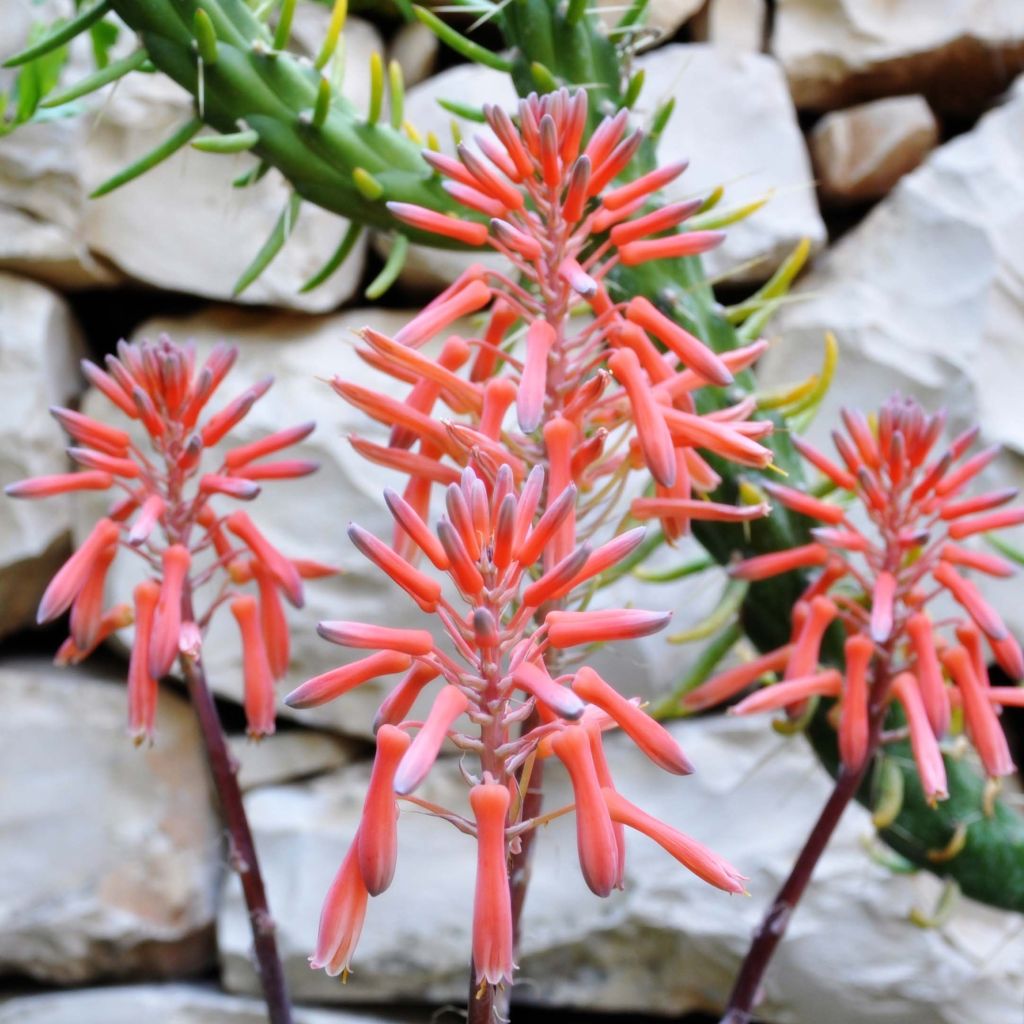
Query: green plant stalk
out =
(253, 87)
(250, 86)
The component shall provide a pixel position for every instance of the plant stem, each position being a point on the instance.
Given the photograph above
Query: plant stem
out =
(776, 920)
(242, 848)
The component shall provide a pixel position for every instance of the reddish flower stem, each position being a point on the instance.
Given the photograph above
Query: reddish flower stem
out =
(776, 920)
(223, 770)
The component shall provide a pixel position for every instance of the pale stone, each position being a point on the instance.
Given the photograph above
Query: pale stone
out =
(181, 226)
(662, 19)
(733, 24)
(110, 852)
(165, 1004)
(861, 152)
(416, 48)
(39, 349)
(958, 53)
(736, 124)
(288, 756)
(41, 195)
(733, 120)
(668, 943)
(926, 296)
(307, 518)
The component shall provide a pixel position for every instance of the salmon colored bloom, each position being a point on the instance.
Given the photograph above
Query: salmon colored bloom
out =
(576, 384)
(168, 486)
(496, 669)
(877, 569)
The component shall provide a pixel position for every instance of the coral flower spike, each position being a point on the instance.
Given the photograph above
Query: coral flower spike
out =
(530, 427)
(498, 696)
(886, 548)
(174, 477)
(878, 580)
(169, 487)
(576, 385)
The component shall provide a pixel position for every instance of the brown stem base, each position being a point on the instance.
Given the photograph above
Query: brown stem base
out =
(243, 850)
(776, 920)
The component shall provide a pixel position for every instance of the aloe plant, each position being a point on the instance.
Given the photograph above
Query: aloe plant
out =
(287, 112)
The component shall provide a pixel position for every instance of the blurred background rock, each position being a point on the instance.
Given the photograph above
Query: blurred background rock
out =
(892, 136)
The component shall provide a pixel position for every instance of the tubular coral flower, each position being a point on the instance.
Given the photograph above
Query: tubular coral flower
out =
(377, 839)
(259, 680)
(650, 736)
(492, 907)
(169, 483)
(927, 755)
(695, 856)
(142, 686)
(163, 645)
(423, 751)
(877, 582)
(853, 720)
(595, 835)
(341, 920)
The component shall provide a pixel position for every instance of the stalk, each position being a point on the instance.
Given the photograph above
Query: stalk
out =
(242, 853)
(776, 919)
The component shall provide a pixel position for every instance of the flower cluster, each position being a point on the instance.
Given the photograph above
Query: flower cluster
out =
(504, 631)
(876, 575)
(164, 512)
(594, 397)
(532, 430)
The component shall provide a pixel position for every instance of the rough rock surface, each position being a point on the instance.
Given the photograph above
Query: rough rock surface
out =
(959, 53)
(666, 944)
(926, 296)
(861, 152)
(308, 518)
(166, 1004)
(41, 194)
(734, 121)
(663, 18)
(416, 49)
(733, 24)
(288, 756)
(110, 852)
(181, 226)
(39, 349)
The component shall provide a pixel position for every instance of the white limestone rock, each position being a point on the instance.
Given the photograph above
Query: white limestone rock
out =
(735, 122)
(39, 349)
(668, 943)
(41, 192)
(166, 1004)
(733, 24)
(663, 18)
(860, 153)
(416, 49)
(111, 852)
(288, 756)
(959, 53)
